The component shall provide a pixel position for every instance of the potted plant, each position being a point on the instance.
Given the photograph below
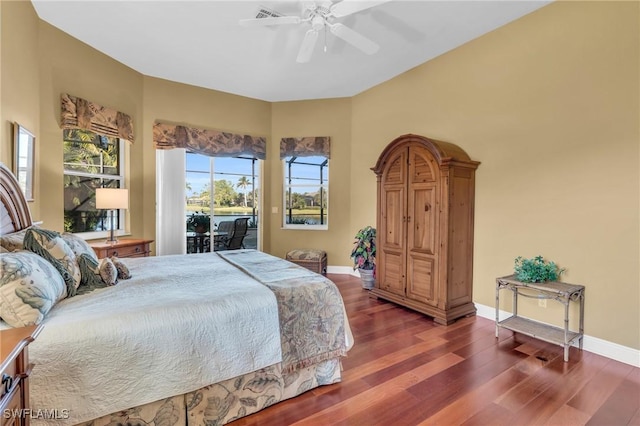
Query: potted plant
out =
(364, 255)
(536, 270)
(198, 222)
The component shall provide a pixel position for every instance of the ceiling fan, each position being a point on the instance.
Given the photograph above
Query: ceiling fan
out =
(321, 16)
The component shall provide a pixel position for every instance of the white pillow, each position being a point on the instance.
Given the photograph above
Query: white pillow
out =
(29, 287)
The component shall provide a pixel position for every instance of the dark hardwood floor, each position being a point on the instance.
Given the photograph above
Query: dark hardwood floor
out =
(406, 370)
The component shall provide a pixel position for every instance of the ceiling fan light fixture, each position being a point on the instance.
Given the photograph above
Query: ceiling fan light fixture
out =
(317, 22)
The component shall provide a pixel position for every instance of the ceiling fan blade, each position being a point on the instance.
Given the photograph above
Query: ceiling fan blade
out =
(306, 49)
(354, 38)
(281, 20)
(348, 7)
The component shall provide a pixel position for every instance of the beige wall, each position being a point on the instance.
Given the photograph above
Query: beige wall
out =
(548, 104)
(39, 63)
(189, 105)
(19, 81)
(313, 118)
(68, 66)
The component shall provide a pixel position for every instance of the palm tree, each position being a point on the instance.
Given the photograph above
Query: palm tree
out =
(94, 158)
(187, 187)
(243, 183)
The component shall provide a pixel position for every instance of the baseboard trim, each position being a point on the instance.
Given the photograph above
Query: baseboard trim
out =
(598, 346)
(345, 270)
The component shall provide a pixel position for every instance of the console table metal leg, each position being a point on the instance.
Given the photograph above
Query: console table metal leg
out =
(566, 329)
(497, 308)
(581, 329)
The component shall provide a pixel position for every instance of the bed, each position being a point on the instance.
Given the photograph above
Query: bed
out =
(188, 340)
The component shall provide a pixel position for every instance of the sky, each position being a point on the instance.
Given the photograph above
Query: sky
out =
(227, 168)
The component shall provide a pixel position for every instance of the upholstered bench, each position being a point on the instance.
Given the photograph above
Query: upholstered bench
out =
(314, 260)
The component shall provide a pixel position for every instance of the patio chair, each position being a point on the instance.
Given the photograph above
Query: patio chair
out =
(222, 234)
(234, 241)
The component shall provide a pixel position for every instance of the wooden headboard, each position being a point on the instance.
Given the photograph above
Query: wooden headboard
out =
(14, 210)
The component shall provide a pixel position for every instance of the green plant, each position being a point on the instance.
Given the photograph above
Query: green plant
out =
(198, 220)
(536, 270)
(364, 249)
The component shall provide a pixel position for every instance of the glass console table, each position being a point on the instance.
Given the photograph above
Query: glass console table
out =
(562, 292)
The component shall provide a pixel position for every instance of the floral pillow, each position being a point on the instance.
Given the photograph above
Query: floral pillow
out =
(108, 271)
(13, 241)
(78, 245)
(29, 287)
(52, 248)
(123, 270)
(91, 277)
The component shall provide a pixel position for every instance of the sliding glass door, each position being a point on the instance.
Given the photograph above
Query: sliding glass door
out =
(221, 189)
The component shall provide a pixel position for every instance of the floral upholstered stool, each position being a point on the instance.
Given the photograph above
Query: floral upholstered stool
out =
(314, 260)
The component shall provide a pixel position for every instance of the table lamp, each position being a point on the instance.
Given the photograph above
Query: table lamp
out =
(112, 199)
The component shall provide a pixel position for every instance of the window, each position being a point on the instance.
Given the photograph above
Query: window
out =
(235, 182)
(306, 192)
(90, 161)
(198, 181)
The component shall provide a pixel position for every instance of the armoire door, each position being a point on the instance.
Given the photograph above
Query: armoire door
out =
(422, 224)
(392, 199)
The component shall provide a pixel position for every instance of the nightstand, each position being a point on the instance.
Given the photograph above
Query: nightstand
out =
(122, 248)
(16, 369)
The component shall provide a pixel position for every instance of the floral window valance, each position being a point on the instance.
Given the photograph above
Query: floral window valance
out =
(78, 113)
(305, 147)
(213, 143)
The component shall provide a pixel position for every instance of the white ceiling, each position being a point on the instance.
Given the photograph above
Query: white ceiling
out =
(201, 43)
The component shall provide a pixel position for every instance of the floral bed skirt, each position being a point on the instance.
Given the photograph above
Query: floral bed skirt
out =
(224, 402)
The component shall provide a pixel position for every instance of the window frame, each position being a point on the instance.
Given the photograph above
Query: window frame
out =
(324, 184)
(121, 177)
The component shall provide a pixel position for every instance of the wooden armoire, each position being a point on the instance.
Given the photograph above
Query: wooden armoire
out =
(424, 257)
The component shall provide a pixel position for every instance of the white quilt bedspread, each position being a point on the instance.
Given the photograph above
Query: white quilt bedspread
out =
(176, 326)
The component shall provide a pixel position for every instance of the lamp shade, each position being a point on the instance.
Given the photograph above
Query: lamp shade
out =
(112, 198)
